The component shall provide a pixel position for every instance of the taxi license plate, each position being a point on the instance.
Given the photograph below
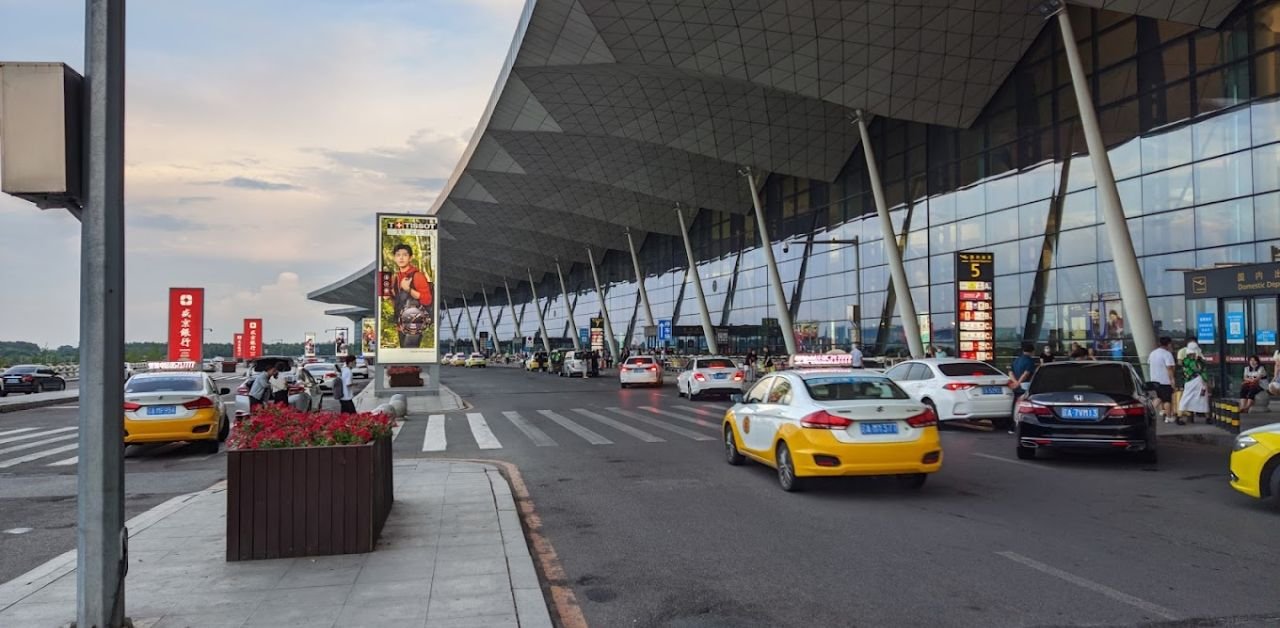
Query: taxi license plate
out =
(878, 428)
(637, 369)
(721, 375)
(993, 390)
(161, 410)
(1079, 414)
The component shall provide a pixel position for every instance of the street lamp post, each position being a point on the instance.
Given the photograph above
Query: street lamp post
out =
(857, 283)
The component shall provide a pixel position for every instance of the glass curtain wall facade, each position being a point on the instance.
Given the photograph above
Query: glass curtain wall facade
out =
(1192, 120)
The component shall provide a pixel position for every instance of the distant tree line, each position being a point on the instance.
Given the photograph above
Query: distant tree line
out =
(19, 352)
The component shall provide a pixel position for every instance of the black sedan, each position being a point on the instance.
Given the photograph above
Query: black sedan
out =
(30, 378)
(1087, 405)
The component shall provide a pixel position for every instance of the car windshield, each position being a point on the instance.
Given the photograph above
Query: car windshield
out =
(852, 388)
(715, 364)
(163, 384)
(1099, 377)
(314, 368)
(968, 369)
(21, 370)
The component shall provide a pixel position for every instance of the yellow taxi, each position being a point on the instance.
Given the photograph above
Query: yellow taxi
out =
(1255, 463)
(816, 422)
(171, 406)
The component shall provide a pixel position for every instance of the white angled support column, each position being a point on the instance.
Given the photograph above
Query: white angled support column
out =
(897, 271)
(497, 346)
(453, 326)
(1133, 292)
(542, 323)
(610, 341)
(708, 329)
(644, 293)
(775, 278)
(515, 320)
(475, 334)
(568, 308)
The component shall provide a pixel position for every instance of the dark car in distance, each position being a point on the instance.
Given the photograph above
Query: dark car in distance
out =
(1087, 405)
(30, 378)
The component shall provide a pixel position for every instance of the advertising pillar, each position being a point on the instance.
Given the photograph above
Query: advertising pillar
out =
(252, 338)
(309, 345)
(407, 289)
(368, 337)
(186, 324)
(340, 343)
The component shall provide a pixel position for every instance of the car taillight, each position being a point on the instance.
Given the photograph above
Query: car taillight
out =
(1036, 409)
(28, 379)
(924, 419)
(243, 390)
(198, 403)
(130, 406)
(652, 367)
(824, 420)
(959, 386)
(330, 375)
(737, 376)
(700, 377)
(1129, 409)
(295, 389)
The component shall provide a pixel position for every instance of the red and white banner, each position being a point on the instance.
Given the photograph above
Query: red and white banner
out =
(252, 338)
(186, 324)
(237, 345)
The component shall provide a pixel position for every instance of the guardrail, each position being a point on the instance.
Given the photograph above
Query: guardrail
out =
(72, 371)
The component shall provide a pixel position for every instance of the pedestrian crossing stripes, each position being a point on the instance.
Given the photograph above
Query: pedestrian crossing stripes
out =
(13, 462)
(55, 448)
(592, 426)
(14, 439)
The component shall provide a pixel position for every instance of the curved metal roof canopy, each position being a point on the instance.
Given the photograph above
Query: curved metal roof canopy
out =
(608, 112)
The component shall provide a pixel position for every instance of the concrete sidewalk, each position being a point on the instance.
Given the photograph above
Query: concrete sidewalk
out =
(452, 554)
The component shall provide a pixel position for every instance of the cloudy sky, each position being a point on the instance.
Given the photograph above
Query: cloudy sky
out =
(262, 135)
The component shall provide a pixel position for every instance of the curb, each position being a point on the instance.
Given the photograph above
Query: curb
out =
(40, 403)
(29, 583)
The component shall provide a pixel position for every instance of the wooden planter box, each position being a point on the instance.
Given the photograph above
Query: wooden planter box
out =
(308, 501)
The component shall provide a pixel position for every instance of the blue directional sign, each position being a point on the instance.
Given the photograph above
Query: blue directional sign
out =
(584, 335)
(664, 329)
(1235, 328)
(1206, 327)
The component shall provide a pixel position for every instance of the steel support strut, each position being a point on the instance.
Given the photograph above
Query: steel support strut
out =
(775, 278)
(897, 271)
(475, 333)
(1133, 292)
(542, 323)
(610, 341)
(101, 538)
(707, 328)
(568, 305)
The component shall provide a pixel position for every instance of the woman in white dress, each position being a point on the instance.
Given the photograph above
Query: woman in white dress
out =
(1195, 393)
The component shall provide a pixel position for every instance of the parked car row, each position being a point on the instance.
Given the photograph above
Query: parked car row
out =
(469, 360)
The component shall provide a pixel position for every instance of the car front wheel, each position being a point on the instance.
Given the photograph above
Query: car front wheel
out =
(731, 453)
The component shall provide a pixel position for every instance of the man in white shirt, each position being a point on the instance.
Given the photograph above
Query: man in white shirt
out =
(1161, 364)
(856, 358)
(347, 400)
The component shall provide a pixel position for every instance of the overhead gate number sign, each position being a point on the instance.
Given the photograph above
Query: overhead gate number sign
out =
(975, 305)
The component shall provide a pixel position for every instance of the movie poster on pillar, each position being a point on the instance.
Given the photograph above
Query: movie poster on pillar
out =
(368, 337)
(309, 345)
(407, 289)
(186, 324)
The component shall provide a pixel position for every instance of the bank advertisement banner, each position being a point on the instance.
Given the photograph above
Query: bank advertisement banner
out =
(252, 338)
(186, 324)
(309, 344)
(368, 336)
(237, 346)
(407, 288)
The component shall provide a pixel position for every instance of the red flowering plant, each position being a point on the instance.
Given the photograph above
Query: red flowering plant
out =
(273, 426)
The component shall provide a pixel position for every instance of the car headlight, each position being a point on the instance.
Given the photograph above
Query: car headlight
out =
(1244, 442)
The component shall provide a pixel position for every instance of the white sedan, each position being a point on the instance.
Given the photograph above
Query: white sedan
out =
(325, 373)
(642, 370)
(360, 368)
(709, 376)
(956, 389)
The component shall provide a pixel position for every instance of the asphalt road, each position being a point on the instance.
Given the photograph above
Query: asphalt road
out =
(653, 528)
(38, 496)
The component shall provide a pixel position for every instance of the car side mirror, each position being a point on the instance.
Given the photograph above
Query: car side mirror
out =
(736, 398)
(224, 391)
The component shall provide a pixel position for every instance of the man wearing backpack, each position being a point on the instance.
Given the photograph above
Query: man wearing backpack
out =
(412, 298)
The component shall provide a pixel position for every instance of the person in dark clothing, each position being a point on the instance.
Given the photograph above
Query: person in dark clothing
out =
(595, 364)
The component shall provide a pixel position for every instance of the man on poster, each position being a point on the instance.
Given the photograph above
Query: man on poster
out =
(412, 298)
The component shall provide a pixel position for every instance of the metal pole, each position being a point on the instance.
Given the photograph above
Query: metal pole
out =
(475, 333)
(514, 319)
(568, 306)
(610, 341)
(857, 278)
(707, 329)
(775, 278)
(897, 271)
(101, 538)
(542, 323)
(644, 293)
(1133, 292)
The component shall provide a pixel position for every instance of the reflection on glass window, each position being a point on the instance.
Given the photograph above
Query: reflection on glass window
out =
(1224, 177)
(1168, 232)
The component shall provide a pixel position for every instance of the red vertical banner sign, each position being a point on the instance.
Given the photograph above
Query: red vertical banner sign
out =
(237, 346)
(186, 324)
(252, 338)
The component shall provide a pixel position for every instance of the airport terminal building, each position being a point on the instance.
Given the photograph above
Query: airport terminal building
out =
(628, 141)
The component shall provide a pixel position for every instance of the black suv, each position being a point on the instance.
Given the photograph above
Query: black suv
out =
(1087, 405)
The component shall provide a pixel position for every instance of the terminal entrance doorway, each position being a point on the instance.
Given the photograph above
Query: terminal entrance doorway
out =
(1233, 313)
